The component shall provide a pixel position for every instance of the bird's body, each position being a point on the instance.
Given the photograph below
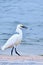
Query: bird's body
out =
(14, 40)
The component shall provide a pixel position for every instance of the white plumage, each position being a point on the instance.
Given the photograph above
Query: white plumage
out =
(15, 39)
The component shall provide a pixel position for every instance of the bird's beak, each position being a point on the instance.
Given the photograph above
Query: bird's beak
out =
(24, 27)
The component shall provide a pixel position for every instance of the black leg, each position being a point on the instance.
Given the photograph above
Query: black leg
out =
(12, 51)
(16, 52)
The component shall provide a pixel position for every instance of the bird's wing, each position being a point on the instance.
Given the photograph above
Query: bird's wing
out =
(11, 41)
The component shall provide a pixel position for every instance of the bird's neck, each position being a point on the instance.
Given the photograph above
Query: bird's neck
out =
(19, 31)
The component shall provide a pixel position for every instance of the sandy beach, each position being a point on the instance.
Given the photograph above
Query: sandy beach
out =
(24, 58)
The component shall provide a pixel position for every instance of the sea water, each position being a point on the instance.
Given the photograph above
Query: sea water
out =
(29, 13)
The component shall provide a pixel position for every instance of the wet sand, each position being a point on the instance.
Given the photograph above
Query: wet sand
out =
(23, 58)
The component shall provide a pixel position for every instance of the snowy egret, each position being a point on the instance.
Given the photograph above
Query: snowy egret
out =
(14, 40)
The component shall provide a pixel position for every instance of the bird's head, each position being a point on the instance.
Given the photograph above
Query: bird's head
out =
(20, 26)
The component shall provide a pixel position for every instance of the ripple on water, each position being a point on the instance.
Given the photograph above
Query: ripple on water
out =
(21, 63)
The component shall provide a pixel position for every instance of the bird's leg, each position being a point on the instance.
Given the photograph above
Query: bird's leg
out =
(12, 50)
(16, 52)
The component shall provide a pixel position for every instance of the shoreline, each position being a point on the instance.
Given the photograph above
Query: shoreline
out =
(21, 58)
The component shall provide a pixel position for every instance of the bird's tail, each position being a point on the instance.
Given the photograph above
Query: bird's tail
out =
(1, 48)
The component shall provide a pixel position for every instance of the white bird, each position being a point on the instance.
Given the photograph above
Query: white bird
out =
(14, 40)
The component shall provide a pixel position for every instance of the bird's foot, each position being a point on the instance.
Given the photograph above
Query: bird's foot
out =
(12, 51)
(17, 52)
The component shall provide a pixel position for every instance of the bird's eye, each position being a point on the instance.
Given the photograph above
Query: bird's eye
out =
(24, 27)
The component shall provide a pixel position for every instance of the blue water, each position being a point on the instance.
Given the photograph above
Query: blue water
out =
(29, 13)
(21, 63)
